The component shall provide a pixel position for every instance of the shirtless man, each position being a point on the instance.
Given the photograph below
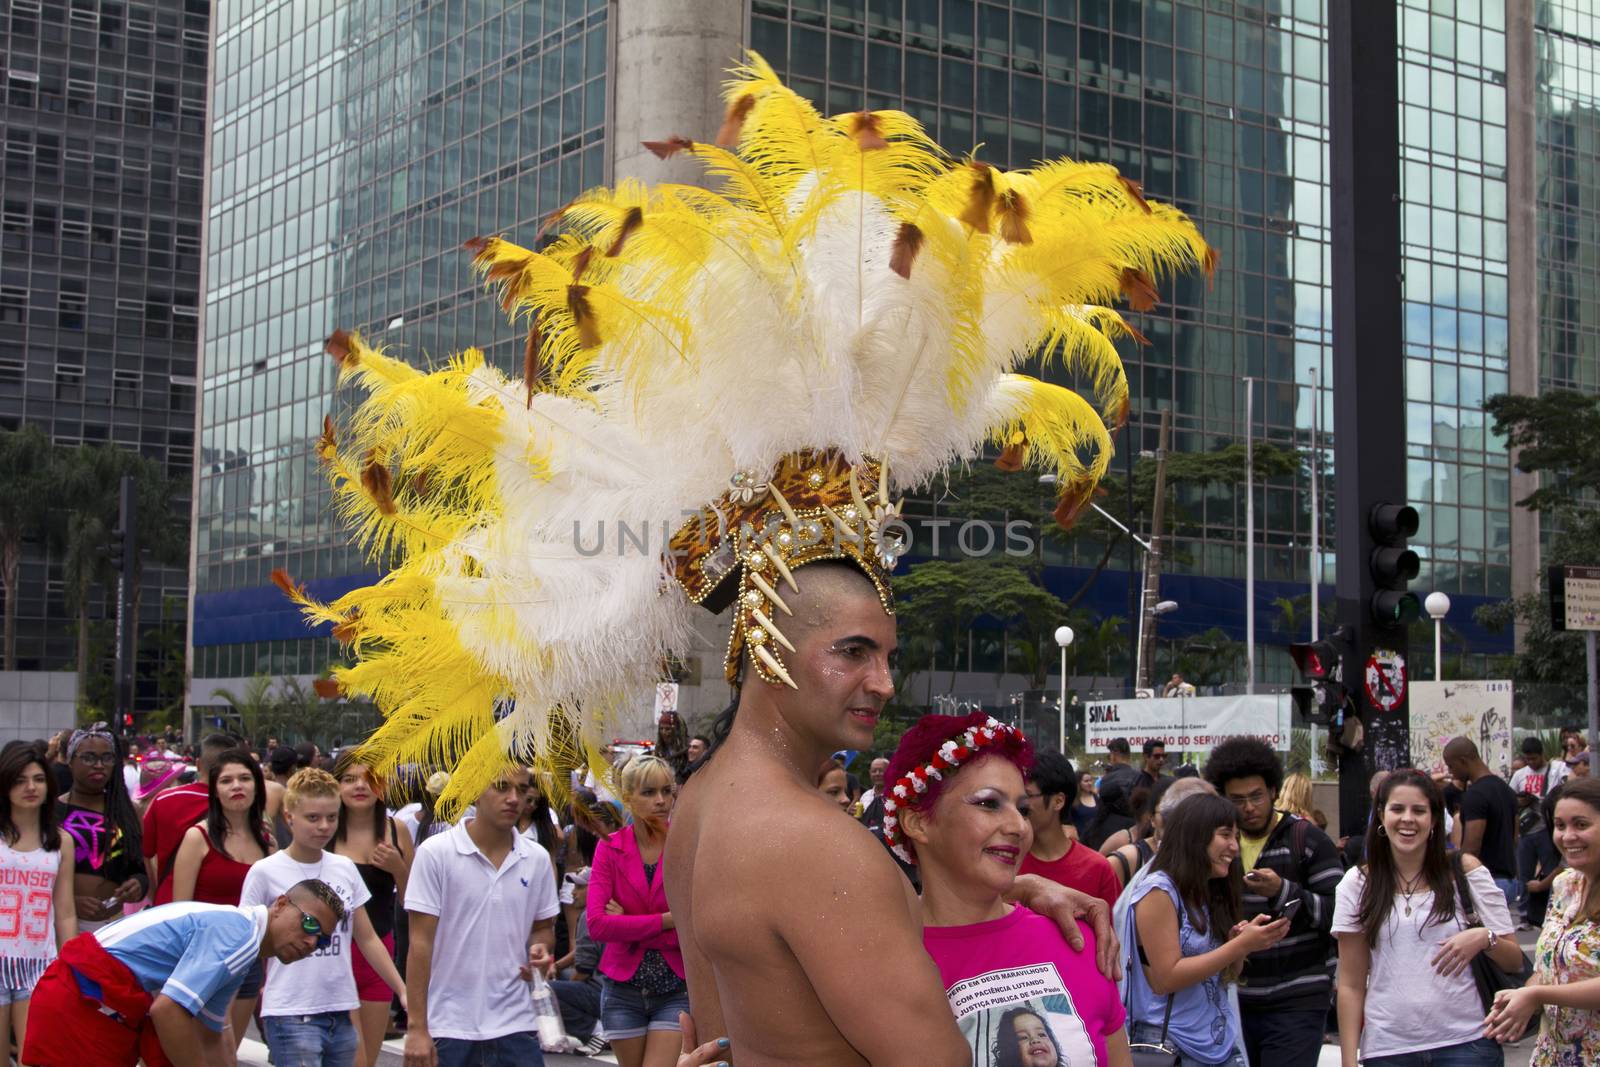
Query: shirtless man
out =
(802, 940)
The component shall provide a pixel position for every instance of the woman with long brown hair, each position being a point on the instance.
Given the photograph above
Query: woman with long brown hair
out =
(1565, 985)
(1406, 990)
(1185, 932)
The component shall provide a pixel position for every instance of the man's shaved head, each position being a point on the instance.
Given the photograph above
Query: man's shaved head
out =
(824, 587)
(1461, 748)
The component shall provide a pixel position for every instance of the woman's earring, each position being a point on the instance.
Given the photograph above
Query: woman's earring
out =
(1382, 832)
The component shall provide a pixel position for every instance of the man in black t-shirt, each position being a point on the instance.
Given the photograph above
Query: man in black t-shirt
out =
(1488, 814)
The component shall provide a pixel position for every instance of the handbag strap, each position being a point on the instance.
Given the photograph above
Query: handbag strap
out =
(1463, 891)
(1133, 961)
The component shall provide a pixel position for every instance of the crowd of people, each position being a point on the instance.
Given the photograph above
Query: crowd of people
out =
(1210, 919)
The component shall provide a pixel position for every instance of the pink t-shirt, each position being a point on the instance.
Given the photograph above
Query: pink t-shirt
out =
(1015, 980)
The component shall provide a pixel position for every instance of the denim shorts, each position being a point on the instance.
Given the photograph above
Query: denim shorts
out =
(625, 1012)
(510, 1050)
(15, 994)
(327, 1039)
(1150, 1034)
(1480, 1053)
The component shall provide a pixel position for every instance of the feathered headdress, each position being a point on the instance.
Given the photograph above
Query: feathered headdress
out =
(720, 386)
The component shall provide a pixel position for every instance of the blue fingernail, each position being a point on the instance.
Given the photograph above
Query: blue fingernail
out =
(722, 1042)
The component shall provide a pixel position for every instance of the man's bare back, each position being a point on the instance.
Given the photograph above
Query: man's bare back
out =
(801, 938)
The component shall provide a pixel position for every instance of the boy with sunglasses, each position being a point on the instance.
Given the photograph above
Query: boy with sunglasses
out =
(306, 1016)
(156, 986)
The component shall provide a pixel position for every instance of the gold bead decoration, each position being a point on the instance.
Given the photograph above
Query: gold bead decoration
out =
(815, 480)
(756, 635)
(752, 598)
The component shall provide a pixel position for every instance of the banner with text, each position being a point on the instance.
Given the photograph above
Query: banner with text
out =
(1189, 724)
(1477, 710)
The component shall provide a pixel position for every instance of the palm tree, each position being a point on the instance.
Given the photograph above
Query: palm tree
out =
(256, 707)
(89, 490)
(28, 472)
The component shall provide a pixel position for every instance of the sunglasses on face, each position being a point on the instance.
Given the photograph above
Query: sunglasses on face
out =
(312, 925)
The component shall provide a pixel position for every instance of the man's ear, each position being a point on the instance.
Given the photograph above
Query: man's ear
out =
(1058, 801)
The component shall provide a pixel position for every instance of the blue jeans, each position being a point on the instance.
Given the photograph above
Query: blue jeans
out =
(625, 1012)
(1150, 1034)
(1284, 1038)
(1479, 1053)
(580, 1006)
(1512, 890)
(512, 1050)
(324, 1040)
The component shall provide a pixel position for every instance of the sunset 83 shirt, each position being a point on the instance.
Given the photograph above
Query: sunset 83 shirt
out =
(27, 914)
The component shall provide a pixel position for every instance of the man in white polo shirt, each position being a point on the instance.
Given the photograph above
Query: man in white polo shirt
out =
(483, 903)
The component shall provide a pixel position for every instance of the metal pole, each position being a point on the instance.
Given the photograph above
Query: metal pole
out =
(1249, 536)
(1316, 517)
(1134, 627)
(1594, 695)
(1152, 560)
(127, 628)
(1063, 700)
(1438, 650)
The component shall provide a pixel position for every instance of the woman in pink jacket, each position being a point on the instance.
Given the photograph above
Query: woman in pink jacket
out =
(643, 987)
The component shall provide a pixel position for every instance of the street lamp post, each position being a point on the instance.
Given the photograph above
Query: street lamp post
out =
(1437, 606)
(1063, 638)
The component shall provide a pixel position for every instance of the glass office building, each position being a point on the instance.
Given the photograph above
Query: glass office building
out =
(1221, 108)
(102, 114)
(355, 145)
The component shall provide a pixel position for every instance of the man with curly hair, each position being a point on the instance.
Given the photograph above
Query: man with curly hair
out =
(1284, 990)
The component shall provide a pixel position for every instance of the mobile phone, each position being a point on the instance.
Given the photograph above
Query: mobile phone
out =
(1289, 909)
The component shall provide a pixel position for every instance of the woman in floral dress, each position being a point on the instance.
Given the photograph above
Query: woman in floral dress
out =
(1566, 965)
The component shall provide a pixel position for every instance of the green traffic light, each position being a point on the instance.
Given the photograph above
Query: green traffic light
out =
(1392, 608)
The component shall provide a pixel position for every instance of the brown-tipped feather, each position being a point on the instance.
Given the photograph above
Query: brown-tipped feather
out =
(980, 199)
(327, 688)
(583, 316)
(328, 443)
(733, 123)
(346, 631)
(338, 346)
(1139, 290)
(1010, 459)
(477, 245)
(631, 220)
(907, 245)
(1011, 212)
(1212, 258)
(1135, 192)
(1071, 505)
(420, 484)
(866, 129)
(530, 359)
(1137, 334)
(379, 483)
(1123, 411)
(281, 579)
(580, 262)
(668, 148)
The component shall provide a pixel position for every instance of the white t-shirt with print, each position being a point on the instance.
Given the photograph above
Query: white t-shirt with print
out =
(485, 916)
(1409, 1006)
(323, 981)
(1540, 782)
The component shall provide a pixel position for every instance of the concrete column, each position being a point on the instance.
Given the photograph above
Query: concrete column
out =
(669, 60)
(1522, 233)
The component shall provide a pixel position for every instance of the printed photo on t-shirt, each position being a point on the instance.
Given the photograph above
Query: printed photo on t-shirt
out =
(1021, 1017)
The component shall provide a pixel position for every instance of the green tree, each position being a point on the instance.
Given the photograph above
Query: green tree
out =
(28, 476)
(938, 601)
(1554, 435)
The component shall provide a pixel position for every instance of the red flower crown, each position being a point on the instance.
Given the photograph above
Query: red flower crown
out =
(950, 756)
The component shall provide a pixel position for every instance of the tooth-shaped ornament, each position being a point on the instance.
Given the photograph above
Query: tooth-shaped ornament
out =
(771, 593)
(777, 561)
(774, 666)
(777, 634)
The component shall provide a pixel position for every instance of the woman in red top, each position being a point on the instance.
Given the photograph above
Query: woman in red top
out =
(216, 854)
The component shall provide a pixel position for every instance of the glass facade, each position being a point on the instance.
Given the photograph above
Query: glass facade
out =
(355, 145)
(103, 119)
(1223, 110)
(1567, 109)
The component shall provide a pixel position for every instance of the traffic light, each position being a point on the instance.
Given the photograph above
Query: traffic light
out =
(127, 720)
(1322, 696)
(1393, 564)
(115, 554)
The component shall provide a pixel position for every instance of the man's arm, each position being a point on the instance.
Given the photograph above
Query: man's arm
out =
(859, 899)
(1474, 819)
(1066, 906)
(186, 1040)
(1321, 872)
(419, 969)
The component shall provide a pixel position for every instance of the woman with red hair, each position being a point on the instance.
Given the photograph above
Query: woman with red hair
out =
(956, 806)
